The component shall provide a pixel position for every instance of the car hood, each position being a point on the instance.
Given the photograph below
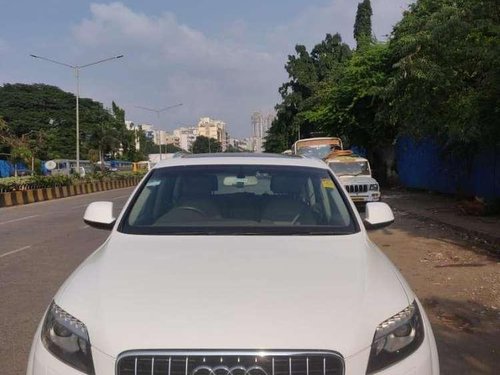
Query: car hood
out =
(226, 292)
(347, 180)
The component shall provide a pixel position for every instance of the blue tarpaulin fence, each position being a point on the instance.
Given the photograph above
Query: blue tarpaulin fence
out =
(423, 165)
(4, 168)
(7, 168)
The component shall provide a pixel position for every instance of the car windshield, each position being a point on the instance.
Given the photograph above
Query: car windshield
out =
(316, 151)
(238, 199)
(350, 169)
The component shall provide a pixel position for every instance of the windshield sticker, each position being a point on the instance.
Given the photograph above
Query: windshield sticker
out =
(153, 183)
(327, 183)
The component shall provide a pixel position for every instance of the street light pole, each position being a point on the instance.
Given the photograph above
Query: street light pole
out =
(77, 74)
(158, 111)
(76, 69)
(159, 142)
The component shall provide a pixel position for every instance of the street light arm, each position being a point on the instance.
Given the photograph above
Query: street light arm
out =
(169, 107)
(147, 109)
(100, 61)
(53, 61)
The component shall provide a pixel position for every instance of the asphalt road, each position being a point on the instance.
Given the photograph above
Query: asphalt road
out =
(40, 245)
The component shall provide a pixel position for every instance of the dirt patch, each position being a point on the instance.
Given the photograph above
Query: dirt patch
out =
(458, 281)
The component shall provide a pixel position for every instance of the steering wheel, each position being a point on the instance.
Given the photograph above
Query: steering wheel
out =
(296, 218)
(194, 209)
(301, 213)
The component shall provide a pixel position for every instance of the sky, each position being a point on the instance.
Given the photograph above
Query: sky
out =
(219, 58)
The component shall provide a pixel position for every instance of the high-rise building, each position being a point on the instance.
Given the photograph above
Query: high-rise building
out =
(261, 123)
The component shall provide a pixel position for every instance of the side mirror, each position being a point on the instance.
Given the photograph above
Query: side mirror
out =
(99, 215)
(378, 215)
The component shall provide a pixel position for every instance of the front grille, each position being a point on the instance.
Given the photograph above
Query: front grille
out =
(230, 363)
(356, 188)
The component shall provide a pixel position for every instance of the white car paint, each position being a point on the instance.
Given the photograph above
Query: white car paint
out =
(233, 292)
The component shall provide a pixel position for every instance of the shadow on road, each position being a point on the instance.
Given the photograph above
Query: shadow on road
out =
(467, 335)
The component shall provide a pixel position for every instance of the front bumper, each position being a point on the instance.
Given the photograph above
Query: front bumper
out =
(365, 197)
(422, 362)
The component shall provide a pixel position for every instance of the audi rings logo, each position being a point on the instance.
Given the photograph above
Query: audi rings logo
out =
(225, 370)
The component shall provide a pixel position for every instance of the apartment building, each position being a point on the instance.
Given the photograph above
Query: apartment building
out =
(186, 136)
(214, 129)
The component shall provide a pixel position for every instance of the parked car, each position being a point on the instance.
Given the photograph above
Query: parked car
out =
(236, 265)
(356, 175)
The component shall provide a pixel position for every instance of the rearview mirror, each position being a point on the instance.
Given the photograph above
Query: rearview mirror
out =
(378, 215)
(99, 215)
(240, 182)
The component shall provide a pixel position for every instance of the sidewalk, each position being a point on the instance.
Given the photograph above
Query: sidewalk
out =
(445, 210)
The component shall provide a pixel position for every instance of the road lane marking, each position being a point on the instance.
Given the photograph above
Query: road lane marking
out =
(20, 219)
(15, 251)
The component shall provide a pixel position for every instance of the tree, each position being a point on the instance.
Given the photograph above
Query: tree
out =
(38, 107)
(104, 139)
(170, 148)
(363, 24)
(20, 153)
(4, 137)
(308, 74)
(446, 82)
(353, 107)
(18, 147)
(204, 145)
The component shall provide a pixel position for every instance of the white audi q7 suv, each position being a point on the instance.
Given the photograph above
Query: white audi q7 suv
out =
(236, 265)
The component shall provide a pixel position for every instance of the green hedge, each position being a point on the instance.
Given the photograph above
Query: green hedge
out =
(38, 182)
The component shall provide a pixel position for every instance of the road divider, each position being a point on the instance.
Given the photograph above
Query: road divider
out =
(20, 197)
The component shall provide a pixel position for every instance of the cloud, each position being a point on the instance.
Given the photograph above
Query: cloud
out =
(228, 75)
(314, 22)
(337, 16)
(174, 63)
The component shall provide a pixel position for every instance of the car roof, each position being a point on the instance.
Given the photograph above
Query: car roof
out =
(241, 158)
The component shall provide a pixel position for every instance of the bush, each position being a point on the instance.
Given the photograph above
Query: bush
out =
(38, 182)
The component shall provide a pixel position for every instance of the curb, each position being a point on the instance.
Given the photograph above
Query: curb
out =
(21, 197)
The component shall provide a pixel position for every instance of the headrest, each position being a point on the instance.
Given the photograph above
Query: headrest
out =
(287, 184)
(199, 185)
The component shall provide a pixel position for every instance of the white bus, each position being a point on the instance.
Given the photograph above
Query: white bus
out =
(66, 167)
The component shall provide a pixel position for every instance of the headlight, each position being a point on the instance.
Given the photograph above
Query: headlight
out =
(67, 338)
(374, 187)
(396, 338)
